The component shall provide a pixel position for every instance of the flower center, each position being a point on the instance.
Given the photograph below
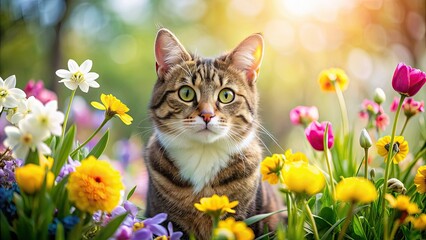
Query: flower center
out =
(137, 226)
(43, 120)
(395, 147)
(27, 138)
(3, 93)
(332, 77)
(77, 77)
(161, 238)
(98, 179)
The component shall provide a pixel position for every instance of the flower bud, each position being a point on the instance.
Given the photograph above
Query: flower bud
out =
(372, 173)
(396, 186)
(379, 96)
(365, 140)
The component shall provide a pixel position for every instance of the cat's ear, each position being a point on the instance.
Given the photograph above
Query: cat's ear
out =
(168, 52)
(247, 56)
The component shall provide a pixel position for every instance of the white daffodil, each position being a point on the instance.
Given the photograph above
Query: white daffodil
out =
(24, 138)
(78, 76)
(24, 108)
(9, 95)
(46, 117)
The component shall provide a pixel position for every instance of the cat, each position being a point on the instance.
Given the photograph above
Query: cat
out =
(205, 141)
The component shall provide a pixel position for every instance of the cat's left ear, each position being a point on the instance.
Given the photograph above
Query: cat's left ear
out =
(247, 56)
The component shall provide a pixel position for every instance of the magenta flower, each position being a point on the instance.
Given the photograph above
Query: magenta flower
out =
(382, 121)
(37, 90)
(394, 104)
(407, 80)
(303, 115)
(412, 107)
(315, 135)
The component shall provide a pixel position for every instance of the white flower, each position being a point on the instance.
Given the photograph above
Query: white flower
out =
(46, 117)
(78, 76)
(24, 108)
(9, 95)
(24, 138)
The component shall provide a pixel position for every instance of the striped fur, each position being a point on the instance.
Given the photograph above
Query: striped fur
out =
(191, 155)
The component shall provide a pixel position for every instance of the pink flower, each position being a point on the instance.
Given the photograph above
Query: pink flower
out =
(412, 107)
(407, 80)
(303, 115)
(394, 105)
(315, 135)
(382, 121)
(37, 90)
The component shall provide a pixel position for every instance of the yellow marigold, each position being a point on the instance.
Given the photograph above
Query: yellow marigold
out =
(113, 107)
(301, 177)
(233, 230)
(400, 147)
(95, 185)
(30, 178)
(419, 223)
(295, 157)
(216, 205)
(403, 204)
(420, 179)
(271, 167)
(329, 77)
(355, 189)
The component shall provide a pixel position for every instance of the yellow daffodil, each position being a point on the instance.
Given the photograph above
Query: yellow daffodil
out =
(334, 76)
(403, 205)
(271, 167)
(301, 177)
(95, 185)
(30, 178)
(420, 179)
(233, 230)
(356, 190)
(419, 223)
(113, 107)
(216, 205)
(400, 148)
(295, 157)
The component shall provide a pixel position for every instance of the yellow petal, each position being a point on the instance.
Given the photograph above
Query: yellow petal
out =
(98, 105)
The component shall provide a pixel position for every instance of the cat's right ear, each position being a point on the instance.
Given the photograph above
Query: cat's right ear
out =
(168, 52)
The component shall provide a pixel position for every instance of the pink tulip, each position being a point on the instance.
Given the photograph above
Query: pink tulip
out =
(382, 121)
(407, 80)
(303, 115)
(37, 90)
(412, 107)
(394, 104)
(315, 135)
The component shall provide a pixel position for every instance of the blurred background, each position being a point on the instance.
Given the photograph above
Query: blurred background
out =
(367, 38)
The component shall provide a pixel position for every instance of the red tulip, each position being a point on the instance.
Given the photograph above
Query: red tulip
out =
(315, 135)
(407, 80)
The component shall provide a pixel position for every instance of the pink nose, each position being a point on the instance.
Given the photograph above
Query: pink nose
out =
(207, 116)
(206, 112)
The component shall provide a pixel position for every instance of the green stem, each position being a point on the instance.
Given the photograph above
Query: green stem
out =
(311, 218)
(327, 157)
(64, 126)
(394, 229)
(388, 163)
(366, 162)
(91, 136)
(343, 111)
(347, 221)
(405, 125)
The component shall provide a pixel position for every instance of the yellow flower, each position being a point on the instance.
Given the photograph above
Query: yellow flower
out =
(329, 77)
(355, 189)
(30, 178)
(216, 205)
(419, 223)
(46, 162)
(400, 147)
(403, 204)
(271, 167)
(231, 229)
(295, 157)
(420, 179)
(301, 177)
(95, 185)
(112, 107)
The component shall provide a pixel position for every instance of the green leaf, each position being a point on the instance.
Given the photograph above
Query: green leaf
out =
(32, 157)
(60, 235)
(358, 228)
(131, 192)
(110, 228)
(64, 148)
(4, 227)
(99, 148)
(325, 218)
(260, 217)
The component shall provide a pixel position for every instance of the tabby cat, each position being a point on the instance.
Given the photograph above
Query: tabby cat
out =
(205, 139)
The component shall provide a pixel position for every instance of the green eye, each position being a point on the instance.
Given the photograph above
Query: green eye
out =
(186, 93)
(226, 95)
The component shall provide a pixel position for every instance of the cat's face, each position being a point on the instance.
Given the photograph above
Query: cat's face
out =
(205, 100)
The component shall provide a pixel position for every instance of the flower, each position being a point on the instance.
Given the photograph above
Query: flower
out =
(78, 76)
(419, 223)
(271, 167)
(9, 95)
(37, 90)
(24, 108)
(289, 157)
(379, 96)
(355, 189)
(231, 229)
(395, 185)
(382, 121)
(394, 104)
(46, 118)
(330, 77)
(95, 185)
(365, 139)
(216, 205)
(412, 107)
(370, 108)
(67, 168)
(171, 234)
(301, 177)
(400, 148)
(407, 81)
(8, 164)
(30, 178)
(149, 227)
(303, 115)
(403, 205)
(420, 179)
(24, 138)
(113, 107)
(315, 135)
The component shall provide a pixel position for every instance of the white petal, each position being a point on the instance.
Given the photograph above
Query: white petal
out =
(13, 133)
(21, 151)
(52, 106)
(56, 129)
(1, 82)
(17, 93)
(43, 149)
(84, 87)
(86, 66)
(37, 107)
(71, 85)
(10, 102)
(72, 66)
(62, 73)
(93, 84)
(10, 82)
(91, 76)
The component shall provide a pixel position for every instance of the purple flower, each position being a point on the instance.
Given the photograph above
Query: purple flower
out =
(173, 235)
(407, 80)
(123, 233)
(315, 135)
(7, 171)
(149, 227)
(129, 207)
(67, 169)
